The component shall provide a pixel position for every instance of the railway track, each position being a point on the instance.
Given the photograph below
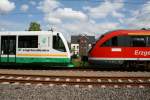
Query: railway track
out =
(81, 68)
(75, 80)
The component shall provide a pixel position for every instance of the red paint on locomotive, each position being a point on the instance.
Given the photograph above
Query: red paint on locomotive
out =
(136, 53)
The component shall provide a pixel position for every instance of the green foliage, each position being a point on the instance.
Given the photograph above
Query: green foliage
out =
(74, 56)
(143, 29)
(76, 62)
(73, 49)
(34, 26)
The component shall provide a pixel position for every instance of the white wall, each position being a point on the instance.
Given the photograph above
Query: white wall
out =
(75, 47)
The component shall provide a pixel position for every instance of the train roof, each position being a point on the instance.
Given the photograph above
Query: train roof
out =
(130, 32)
(125, 32)
(111, 34)
(28, 32)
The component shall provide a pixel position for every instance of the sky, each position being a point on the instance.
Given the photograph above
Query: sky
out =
(74, 17)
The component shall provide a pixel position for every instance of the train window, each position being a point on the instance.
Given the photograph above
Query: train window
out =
(138, 41)
(124, 41)
(58, 43)
(28, 42)
(111, 42)
(121, 41)
(114, 41)
(148, 41)
(8, 44)
(107, 43)
(128, 41)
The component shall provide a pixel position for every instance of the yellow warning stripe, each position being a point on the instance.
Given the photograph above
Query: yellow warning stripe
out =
(42, 55)
(139, 33)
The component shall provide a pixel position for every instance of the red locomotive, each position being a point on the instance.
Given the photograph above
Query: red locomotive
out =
(122, 47)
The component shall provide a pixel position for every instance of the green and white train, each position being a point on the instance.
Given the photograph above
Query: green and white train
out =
(34, 47)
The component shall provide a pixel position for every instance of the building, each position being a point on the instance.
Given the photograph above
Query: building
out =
(81, 44)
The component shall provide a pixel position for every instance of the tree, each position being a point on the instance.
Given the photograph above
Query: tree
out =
(143, 29)
(34, 26)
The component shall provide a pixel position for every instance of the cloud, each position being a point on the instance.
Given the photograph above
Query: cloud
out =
(33, 3)
(2, 29)
(52, 20)
(104, 9)
(6, 6)
(71, 14)
(89, 28)
(8, 25)
(48, 5)
(55, 14)
(117, 14)
(30, 15)
(71, 21)
(24, 7)
(139, 18)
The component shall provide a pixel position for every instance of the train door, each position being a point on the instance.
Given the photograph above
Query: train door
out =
(8, 49)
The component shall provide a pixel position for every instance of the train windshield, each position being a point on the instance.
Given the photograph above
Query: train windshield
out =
(58, 44)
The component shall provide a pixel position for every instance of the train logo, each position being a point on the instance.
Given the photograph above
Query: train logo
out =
(142, 53)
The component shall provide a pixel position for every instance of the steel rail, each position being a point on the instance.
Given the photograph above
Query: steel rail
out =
(75, 82)
(64, 76)
(82, 80)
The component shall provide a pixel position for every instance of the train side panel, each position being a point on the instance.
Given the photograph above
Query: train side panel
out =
(132, 46)
(34, 48)
(122, 53)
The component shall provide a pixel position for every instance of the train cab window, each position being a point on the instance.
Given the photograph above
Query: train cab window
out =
(107, 43)
(58, 44)
(28, 42)
(114, 41)
(138, 41)
(111, 42)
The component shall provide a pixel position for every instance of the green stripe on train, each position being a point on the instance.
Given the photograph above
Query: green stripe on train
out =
(35, 60)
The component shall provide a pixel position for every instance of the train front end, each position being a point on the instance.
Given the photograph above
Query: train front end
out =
(61, 48)
(122, 48)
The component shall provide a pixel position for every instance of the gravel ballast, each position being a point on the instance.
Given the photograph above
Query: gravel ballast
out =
(58, 92)
(76, 73)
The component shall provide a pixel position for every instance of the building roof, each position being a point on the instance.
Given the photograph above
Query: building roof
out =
(75, 38)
